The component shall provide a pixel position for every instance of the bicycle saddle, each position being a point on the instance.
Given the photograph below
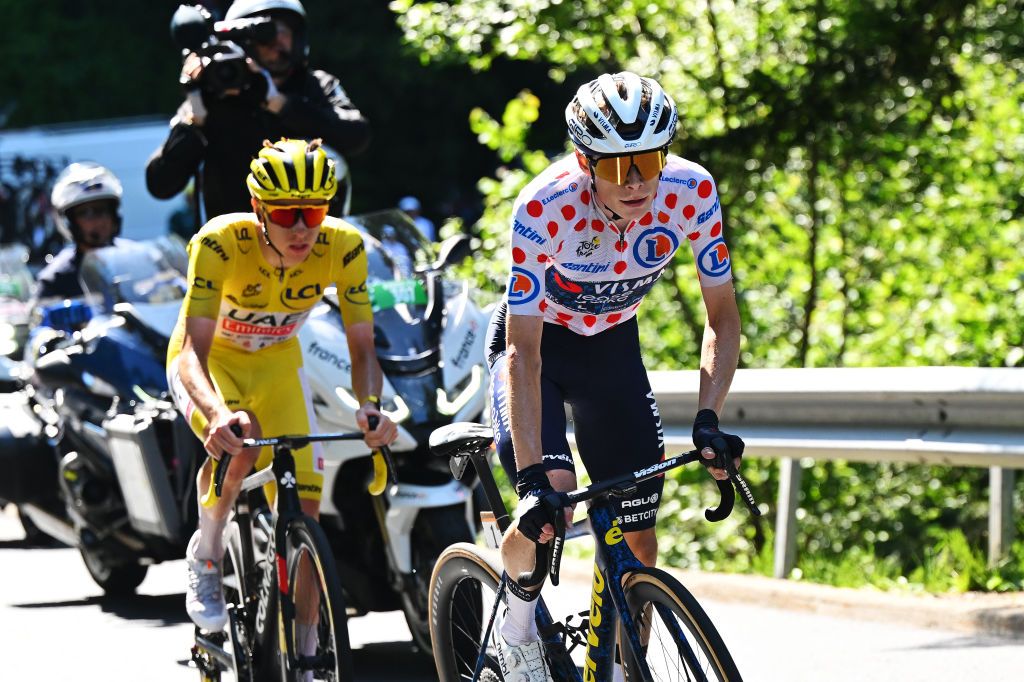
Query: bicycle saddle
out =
(460, 438)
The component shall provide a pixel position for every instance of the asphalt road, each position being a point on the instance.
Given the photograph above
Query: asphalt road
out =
(54, 625)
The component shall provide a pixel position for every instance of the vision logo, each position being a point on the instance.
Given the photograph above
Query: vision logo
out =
(523, 287)
(654, 246)
(714, 259)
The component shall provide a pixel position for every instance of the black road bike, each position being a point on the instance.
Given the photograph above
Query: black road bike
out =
(271, 557)
(640, 616)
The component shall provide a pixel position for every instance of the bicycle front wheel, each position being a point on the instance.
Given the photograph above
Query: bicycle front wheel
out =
(463, 589)
(679, 642)
(319, 642)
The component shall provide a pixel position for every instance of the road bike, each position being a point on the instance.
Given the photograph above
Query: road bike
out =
(271, 558)
(639, 616)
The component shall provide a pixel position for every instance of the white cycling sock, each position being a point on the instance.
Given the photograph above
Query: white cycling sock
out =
(617, 674)
(520, 624)
(305, 637)
(208, 541)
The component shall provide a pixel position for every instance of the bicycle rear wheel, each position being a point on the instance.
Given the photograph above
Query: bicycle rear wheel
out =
(314, 584)
(680, 642)
(463, 588)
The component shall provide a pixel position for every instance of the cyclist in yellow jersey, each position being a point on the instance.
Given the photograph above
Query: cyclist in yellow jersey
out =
(234, 359)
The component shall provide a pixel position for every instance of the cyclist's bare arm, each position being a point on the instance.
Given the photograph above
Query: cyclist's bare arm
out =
(368, 380)
(720, 352)
(523, 336)
(195, 376)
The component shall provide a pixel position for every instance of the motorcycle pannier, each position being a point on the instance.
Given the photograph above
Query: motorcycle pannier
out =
(142, 474)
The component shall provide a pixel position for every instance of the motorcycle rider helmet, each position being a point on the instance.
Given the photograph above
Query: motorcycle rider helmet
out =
(290, 12)
(82, 183)
(292, 169)
(620, 114)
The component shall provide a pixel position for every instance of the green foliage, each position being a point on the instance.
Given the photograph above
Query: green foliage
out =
(866, 156)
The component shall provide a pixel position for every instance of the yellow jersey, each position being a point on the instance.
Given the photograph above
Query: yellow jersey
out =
(258, 306)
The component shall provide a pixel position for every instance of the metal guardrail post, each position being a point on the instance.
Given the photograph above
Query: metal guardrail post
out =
(1000, 513)
(790, 474)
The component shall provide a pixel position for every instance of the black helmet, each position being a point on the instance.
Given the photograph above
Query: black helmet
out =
(290, 11)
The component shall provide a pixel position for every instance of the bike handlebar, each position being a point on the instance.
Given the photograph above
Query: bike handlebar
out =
(291, 442)
(548, 556)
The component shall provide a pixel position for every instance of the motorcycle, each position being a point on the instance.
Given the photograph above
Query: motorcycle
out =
(15, 290)
(429, 337)
(125, 461)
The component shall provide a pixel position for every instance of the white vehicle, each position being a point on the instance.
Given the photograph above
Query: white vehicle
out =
(430, 343)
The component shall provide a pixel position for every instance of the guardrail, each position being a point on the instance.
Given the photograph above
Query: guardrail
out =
(953, 416)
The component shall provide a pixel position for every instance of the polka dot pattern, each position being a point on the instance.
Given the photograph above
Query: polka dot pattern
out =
(662, 217)
(543, 306)
(717, 229)
(619, 267)
(568, 212)
(580, 225)
(552, 228)
(647, 219)
(688, 211)
(704, 189)
(671, 200)
(613, 318)
(518, 255)
(585, 197)
(693, 236)
(597, 225)
(535, 208)
(589, 320)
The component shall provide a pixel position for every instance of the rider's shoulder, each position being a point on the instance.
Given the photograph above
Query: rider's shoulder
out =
(339, 229)
(685, 172)
(562, 181)
(226, 225)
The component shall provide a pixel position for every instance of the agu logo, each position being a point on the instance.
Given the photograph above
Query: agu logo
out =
(523, 287)
(654, 246)
(714, 259)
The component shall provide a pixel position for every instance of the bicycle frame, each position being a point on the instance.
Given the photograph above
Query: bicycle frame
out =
(613, 561)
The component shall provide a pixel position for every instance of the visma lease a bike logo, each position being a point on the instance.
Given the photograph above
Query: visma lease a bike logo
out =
(523, 287)
(655, 246)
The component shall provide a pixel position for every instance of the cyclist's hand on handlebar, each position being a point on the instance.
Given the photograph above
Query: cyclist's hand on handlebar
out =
(386, 431)
(714, 445)
(533, 519)
(220, 438)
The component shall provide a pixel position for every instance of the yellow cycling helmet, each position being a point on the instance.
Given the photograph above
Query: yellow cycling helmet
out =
(292, 169)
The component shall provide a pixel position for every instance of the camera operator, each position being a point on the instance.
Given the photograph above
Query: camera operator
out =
(225, 117)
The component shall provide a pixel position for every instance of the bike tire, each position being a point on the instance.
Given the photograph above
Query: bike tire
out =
(463, 587)
(698, 652)
(305, 537)
(236, 592)
(434, 531)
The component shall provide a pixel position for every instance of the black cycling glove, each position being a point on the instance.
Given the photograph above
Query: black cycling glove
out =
(532, 485)
(705, 435)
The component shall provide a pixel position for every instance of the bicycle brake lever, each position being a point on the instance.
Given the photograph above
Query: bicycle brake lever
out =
(557, 543)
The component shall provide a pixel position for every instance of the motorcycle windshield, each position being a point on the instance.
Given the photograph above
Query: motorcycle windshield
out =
(131, 272)
(395, 251)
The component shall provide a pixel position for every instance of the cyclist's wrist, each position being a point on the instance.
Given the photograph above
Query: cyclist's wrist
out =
(706, 419)
(532, 481)
(372, 401)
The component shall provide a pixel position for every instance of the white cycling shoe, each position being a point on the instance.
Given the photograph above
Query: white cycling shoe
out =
(204, 598)
(523, 663)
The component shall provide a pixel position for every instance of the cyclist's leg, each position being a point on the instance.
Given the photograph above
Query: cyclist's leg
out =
(208, 542)
(618, 429)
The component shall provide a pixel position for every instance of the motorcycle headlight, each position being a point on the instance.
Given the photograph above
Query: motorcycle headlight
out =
(463, 392)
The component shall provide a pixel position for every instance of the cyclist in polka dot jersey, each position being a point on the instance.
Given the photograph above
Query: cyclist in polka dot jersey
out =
(591, 236)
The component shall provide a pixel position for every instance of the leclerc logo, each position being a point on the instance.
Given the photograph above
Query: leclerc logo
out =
(654, 246)
(714, 259)
(523, 287)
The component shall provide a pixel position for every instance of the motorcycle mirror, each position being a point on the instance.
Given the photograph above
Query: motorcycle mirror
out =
(453, 250)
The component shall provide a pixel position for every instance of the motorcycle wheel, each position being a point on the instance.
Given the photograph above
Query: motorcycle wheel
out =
(435, 529)
(115, 579)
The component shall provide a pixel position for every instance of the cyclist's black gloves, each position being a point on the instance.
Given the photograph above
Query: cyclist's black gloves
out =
(707, 435)
(532, 485)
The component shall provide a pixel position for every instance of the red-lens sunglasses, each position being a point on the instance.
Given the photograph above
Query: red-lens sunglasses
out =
(287, 216)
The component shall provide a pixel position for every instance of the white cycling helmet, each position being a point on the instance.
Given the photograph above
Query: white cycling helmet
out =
(81, 183)
(241, 9)
(621, 113)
